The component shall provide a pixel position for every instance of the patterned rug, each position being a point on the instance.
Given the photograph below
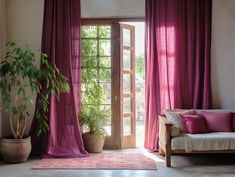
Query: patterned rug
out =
(132, 161)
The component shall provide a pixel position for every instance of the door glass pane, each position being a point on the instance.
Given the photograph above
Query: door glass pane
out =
(127, 105)
(89, 31)
(105, 75)
(84, 98)
(105, 62)
(89, 75)
(127, 83)
(126, 126)
(89, 62)
(107, 127)
(107, 92)
(126, 37)
(89, 47)
(126, 59)
(104, 31)
(87, 87)
(104, 47)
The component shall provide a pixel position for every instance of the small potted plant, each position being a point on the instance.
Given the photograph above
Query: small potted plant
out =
(93, 118)
(19, 74)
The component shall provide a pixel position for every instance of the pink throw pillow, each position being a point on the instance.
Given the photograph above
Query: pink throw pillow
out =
(195, 124)
(233, 122)
(218, 121)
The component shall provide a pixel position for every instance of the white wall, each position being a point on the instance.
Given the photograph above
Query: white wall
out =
(24, 22)
(24, 26)
(112, 8)
(223, 54)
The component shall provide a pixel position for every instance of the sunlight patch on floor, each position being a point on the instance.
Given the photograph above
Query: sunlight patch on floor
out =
(147, 153)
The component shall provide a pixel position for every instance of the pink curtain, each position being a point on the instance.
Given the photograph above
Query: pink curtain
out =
(193, 54)
(61, 42)
(177, 59)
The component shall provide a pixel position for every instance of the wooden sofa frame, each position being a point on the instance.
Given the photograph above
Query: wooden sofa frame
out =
(165, 142)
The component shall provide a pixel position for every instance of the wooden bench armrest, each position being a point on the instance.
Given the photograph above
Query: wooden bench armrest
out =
(164, 130)
(165, 137)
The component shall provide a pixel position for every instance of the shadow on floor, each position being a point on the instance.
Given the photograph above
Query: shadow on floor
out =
(208, 159)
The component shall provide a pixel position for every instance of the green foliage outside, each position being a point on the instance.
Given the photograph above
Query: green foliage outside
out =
(140, 66)
(95, 69)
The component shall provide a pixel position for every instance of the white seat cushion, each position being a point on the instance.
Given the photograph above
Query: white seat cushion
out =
(203, 142)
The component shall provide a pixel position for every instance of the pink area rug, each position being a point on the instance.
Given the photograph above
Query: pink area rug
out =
(133, 161)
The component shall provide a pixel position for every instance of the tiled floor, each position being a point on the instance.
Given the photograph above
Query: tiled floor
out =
(183, 166)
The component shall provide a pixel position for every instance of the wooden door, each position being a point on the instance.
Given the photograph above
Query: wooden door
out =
(127, 86)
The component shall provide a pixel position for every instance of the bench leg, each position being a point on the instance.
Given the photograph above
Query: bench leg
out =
(168, 156)
(168, 160)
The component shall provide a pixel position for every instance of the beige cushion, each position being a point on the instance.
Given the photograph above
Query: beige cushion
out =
(175, 131)
(174, 117)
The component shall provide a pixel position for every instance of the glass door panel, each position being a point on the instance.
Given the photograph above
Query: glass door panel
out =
(126, 83)
(127, 59)
(127, 126)
(126, 37)
(127, 105)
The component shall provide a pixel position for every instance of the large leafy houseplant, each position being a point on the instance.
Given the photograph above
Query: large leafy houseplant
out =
(19, 75)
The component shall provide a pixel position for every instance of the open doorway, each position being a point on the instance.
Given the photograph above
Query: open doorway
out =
(139, 80)
(113, 55)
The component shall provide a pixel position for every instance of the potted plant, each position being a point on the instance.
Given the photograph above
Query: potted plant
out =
(19, 74)
(93, 115)
(93, 118)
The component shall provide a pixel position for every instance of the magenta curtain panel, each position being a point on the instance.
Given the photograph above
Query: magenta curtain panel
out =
(178, 39)
(61, 42)
(193, 54)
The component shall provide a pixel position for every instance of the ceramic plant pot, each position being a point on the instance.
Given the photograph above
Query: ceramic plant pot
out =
(93, 143)
(15, 150)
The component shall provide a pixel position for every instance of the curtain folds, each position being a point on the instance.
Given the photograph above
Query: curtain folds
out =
(61, 42)
(178, 41)
(152, 86)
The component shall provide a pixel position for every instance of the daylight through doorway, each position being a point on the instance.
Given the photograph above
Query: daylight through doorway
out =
(139, 80)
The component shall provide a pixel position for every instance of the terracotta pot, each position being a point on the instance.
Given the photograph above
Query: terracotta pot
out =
(93, 143)
(15, 150)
